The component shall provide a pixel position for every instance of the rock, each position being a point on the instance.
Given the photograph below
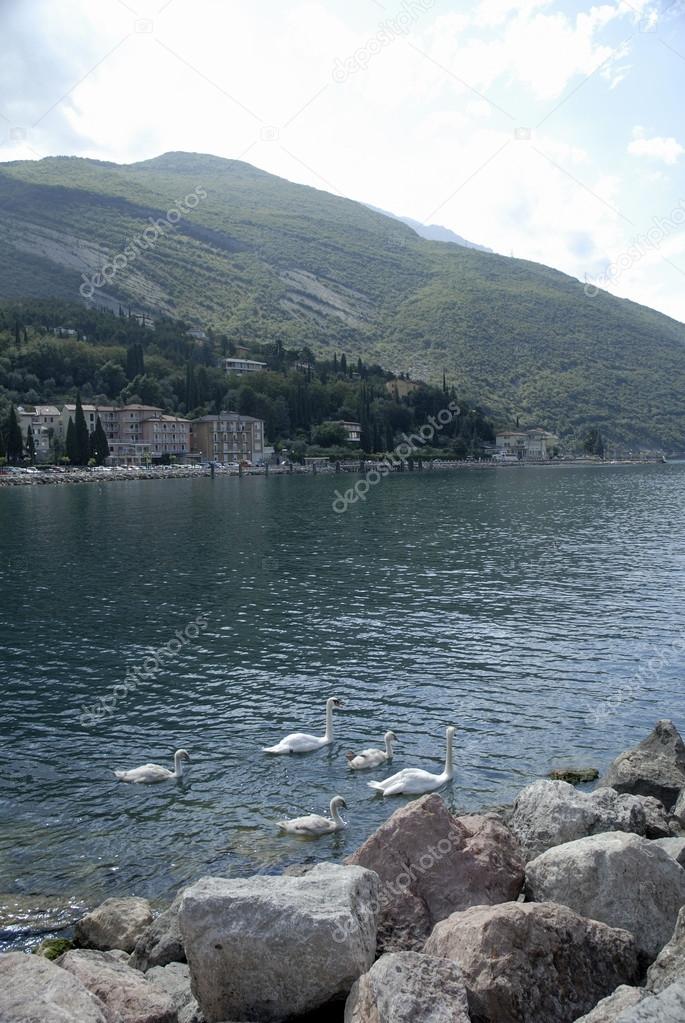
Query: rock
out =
(666, 1007)
(266, 948)
(679, 808)
(174, 978)
(675, 847)
(53, 948)
(534, 962)
(128, 996)
(608, 1010)
(574, 775)
(407, 987)
(657, 818)
(34, 990)
(431, 864)
(621, 879)
(161, 943)
(669, 965)
(117, 923)
(654, 768)
(549, 813)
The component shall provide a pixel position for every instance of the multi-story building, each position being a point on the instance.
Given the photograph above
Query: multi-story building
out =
(242, 366)
(166, 435)
(45, 423)
(136, 434)
(353, 431)
(525, 445)
(229, 437)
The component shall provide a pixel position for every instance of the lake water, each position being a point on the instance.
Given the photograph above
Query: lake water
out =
(512, 604)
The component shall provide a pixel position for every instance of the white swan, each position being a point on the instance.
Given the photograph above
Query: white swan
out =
(413, 781)
(314, 824)
(373, 757)
(150, 773)
(301, 742)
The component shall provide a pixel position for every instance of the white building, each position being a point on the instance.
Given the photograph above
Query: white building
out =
(525, 445)
(45, 423)
(242, 366)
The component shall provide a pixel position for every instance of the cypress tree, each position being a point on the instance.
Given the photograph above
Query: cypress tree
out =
(30, 445)
(100, 445)
(14, 442)
(82, 449)
(72, 453)
(343, 363)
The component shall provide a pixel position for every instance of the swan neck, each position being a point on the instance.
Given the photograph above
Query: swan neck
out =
(335, 813)
(178, 767)
(388, 748)
(329, 722)
(449, 758)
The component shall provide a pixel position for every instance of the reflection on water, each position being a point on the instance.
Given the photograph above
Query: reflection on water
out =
(508, 603)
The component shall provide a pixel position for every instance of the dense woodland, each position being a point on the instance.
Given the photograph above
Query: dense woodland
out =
(52, 351)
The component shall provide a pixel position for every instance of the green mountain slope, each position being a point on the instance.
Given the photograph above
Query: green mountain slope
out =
(261, 258)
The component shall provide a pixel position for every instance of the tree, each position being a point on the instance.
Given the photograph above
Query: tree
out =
(14, 444)
(135, 361)
(30, 445)
(330, 435)
(594, 443)
(82, 434)
(99, 446)
(110, 378)
(71, 447)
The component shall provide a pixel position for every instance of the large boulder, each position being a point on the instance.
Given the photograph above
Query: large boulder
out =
(679, 808)
(116, 923)
(658, 821)
(407, 987)
(666, 1007)
(35, 990)
(654, 768)
(161, 943)
(174, 979)
(675, 847)
(549, 813)
(431, 863)
(266, 948)
(534, 963)
(609, 1009)
(669, 965)
(127, 995)
(621, 879)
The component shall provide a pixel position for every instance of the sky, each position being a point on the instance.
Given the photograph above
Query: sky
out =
(551, 131)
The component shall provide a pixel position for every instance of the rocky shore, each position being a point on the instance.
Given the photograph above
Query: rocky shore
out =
(567, 906)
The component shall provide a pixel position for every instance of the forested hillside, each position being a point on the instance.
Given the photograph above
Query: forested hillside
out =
(259, 260)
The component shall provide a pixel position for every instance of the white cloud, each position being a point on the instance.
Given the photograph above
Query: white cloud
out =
(668, 150)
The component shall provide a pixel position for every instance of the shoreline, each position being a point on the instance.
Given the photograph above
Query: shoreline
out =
(596, 944)
(110, 474)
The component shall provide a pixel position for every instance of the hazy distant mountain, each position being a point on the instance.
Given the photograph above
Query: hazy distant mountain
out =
(433, 232)
(261, 258)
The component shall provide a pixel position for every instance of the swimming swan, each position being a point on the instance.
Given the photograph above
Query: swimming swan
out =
(413, 781)
(373, 757)
(300, 742)
(149, 773)
(314, 824)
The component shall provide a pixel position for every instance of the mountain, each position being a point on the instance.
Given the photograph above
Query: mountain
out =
(433, 232)
(261, 258)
